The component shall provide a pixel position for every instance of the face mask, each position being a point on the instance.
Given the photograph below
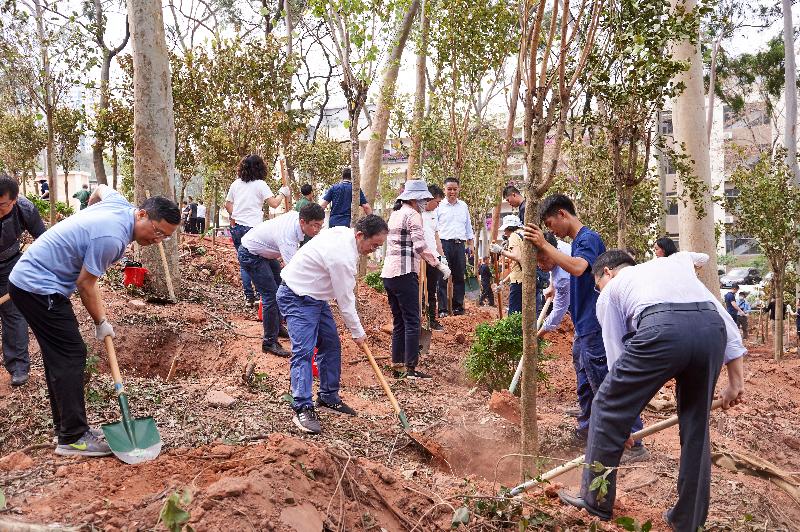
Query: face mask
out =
(422, 204)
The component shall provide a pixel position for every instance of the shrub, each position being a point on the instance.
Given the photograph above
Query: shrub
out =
(496, 351)
(43, 206)
(374, 280)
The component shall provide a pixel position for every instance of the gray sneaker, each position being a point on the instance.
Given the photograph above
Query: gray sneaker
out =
(307, 420)
(97, 431)
(87, 445)
(638, 453)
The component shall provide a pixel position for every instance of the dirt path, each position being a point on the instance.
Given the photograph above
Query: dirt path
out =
(248, 468)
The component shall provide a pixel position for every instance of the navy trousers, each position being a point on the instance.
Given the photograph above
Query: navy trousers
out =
(687, 345)
(310, 323)
(15, 329)
(237, 232)
(457, 260)
(266, 276)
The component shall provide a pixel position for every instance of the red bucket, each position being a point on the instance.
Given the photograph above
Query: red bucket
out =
(135, 276)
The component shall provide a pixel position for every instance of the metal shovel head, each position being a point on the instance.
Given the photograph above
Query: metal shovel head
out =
(132, 440)
(424, 340)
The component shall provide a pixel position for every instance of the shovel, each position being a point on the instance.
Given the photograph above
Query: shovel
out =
(518, 373)
(579, 461)
(425, 327)
(400, 414)
(131, 440)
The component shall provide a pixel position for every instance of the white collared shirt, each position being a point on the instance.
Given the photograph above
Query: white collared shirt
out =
(325, 268)
(454, 221)
(430, 225)
(279, 237)
(665, 280)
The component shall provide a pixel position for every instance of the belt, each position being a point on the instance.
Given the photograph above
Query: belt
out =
(454, 240)
(674, 307)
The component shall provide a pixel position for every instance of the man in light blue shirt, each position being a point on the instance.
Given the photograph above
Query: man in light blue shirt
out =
(455, 231)
(72, 255)
(559, 284)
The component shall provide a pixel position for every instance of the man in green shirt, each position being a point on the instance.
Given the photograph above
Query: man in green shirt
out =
(83, 196)
(306, 198)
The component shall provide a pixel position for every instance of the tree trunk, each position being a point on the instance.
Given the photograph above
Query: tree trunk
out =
(622, 214)
(355, 165)
(414, 157)
(99, 142)
(790, 89)
(153, 125)
(66, 186)
(48, 110)
(696, 232)
(503, 168)
(530, 343)
(380, 122)
(712, 76)
(777, 340)
(51, 165)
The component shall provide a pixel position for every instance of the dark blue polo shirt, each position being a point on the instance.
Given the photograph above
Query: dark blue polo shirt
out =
(340, 196)
(582, 298)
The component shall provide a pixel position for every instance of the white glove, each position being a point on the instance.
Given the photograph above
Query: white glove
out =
(496, 248)
(285, 191)
(445, 270)
(103, 329)
(443, 260)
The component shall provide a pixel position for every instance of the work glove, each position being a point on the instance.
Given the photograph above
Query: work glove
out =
(285, 191)
(443, 260)
(445, 269)
(496, 248)
(103, 329)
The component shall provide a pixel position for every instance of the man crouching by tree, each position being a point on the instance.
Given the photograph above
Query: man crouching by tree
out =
(654, 332)
(73, 254)
(323, 269)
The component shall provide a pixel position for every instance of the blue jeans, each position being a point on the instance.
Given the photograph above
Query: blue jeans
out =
(514, 298)
(237, 232)
(591, 368)
(310, 325)
(266, 275)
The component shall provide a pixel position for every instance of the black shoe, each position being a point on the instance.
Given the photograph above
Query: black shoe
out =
(667, 520)
(637, 453)
(414, 374)
(275, 349)
(283, 332)
(19, 378)
(578, 502)
(436, 326)
(307, 420)
(338, 408)
(579, 438)
(458, 312)
(443, 314)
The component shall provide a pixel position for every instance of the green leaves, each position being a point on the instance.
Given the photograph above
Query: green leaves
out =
(173, 514)
(631, 524)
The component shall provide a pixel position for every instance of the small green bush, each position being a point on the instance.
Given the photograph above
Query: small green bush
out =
(374, 280)
(43, 206)
(496, 351)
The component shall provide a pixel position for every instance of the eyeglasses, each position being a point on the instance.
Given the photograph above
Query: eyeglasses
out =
(158, 232)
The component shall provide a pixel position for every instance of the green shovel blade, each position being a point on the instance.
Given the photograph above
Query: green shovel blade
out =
(132, 440)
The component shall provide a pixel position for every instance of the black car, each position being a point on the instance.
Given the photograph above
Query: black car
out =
(740, 276)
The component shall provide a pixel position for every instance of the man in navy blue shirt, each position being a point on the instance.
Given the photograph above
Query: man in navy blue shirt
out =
(340, 198)
(557, 212)
(730, 304)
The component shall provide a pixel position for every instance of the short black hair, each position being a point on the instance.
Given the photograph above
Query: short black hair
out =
(551, 239)
(347, 174)
(436, 191)
(554, 203)
(85, 186)
(312, 212)
(667, 245)
(510, 189)
(252, 168)
(452, 180)
(613, 258)
(9, 185)
(632, 252)
(160, 208)
(735, 286)
(306, 189)
(371, 225)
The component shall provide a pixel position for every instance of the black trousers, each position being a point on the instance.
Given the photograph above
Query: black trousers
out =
(403, 294)
(434, 277)
(682, 343)
(15, 329)
(486, 294)
(55, 327)
(457, 260)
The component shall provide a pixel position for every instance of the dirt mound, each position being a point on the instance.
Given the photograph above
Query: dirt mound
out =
(282, 484)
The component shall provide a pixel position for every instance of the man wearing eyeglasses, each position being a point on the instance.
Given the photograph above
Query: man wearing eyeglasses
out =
(74, 253)
(654, 332)
(17, 214)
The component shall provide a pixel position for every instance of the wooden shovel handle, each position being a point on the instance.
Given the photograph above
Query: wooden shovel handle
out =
(112, 362)
(164, 262)
(379, 375)
(5, 299)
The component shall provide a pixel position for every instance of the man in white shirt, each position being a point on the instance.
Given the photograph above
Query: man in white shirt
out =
(323, 269)
(201, 217)
(659, 322)
(430, 225)
(259, 255)
(455, 231)
(245, 205)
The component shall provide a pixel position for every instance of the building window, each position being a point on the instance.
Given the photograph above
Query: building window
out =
(672, 206)
(741, 245)
(666, 125)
